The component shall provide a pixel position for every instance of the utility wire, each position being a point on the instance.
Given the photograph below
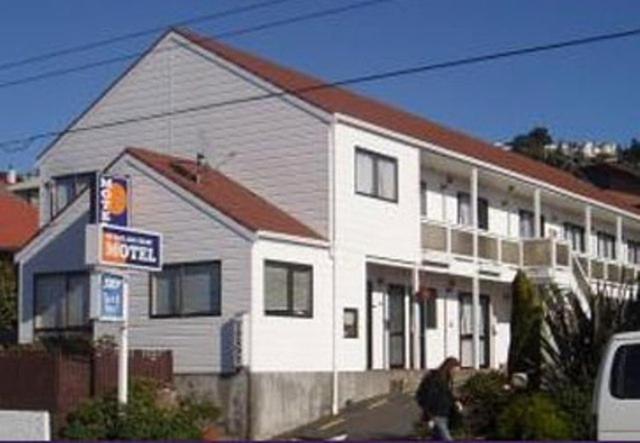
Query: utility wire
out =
(224, 35)
(136, 34)
(28, 141)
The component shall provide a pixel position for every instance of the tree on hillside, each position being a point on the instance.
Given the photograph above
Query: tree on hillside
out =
(631, 154)
(533, 143)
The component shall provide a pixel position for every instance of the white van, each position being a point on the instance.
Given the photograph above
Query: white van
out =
(616, 400)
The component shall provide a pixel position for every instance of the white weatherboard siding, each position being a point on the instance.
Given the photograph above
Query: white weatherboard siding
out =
(59, 249)
(274, 147)
(199, 344)
(369, 227)
(290, 343)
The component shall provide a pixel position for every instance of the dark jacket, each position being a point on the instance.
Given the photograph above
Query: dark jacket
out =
(434, 396)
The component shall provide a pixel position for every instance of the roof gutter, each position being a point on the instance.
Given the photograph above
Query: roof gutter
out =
(421, 144)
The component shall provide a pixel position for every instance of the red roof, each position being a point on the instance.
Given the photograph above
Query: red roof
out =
(229, 197)
(340, 100)
(18, 221)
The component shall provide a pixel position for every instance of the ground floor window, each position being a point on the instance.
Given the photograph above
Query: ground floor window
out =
(606, 245)
(61, 300)
(186, 289)
(288, 289)
(633, 252)
(350, 323)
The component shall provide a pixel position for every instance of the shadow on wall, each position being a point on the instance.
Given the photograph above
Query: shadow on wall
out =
(65, 253)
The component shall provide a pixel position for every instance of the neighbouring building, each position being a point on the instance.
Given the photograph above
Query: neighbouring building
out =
(25, 186)
(331, 245)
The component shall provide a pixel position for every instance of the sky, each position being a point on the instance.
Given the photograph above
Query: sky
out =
(582, 93)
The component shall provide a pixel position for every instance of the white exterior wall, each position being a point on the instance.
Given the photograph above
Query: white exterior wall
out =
(276, 147)
(290, 343)
(367, 228)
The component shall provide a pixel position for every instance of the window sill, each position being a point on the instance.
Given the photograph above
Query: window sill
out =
(194, 315)
(288, 315)
(377, 197)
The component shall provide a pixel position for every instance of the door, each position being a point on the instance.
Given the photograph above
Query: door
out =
(396, 326)
(422, 322)
(369, 325)
(466, 330)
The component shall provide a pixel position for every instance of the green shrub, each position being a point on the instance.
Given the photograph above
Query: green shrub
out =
(533, 417)
(525, 352)
(143, 418)
(484, 397)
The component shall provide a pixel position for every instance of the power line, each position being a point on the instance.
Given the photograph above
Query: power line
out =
(28, 141)
(224, 35)
(136, 34)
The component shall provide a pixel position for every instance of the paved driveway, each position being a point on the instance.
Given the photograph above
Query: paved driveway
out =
(391, 417)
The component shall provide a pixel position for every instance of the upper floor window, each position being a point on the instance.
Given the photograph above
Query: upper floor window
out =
(526, 225)
(188, 289)
(61, 300)
(66, 188)
(464, 211)
(574, 234)
(633, 252)
(423, 198)
(376, 175)
(606, 245)
(288, 289)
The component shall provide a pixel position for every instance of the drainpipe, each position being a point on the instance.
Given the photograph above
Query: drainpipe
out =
(335, 407)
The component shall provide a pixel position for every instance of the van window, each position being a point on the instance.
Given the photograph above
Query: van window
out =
(624, 382)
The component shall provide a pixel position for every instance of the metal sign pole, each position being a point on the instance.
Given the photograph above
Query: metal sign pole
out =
(123, 352)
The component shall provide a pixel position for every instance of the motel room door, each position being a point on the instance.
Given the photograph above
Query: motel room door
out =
(466, 331)
(396, 325)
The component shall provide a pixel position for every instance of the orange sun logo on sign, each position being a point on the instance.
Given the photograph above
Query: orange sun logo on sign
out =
(117, 202)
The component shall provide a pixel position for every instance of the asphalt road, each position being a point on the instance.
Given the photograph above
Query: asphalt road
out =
(391, 417)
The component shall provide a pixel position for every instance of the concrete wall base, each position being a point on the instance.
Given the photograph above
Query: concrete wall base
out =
(266, 404)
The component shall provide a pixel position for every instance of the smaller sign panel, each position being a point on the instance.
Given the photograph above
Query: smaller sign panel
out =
(129, 248)
(112, 206)
(112, 297)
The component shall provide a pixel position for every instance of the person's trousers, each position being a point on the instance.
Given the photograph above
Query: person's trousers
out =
(441, 429)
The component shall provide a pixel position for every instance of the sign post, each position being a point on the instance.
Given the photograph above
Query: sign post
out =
(111, 244)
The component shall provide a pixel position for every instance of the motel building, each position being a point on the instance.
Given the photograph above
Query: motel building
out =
(318, 246)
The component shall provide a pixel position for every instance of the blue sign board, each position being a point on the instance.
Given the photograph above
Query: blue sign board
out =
(112, 205)
(112, 297)
(130, 248)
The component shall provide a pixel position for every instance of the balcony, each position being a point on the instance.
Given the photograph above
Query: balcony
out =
(456, 241)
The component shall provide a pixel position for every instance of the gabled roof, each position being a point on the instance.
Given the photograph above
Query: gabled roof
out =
(18, 221)
(343, 101)
(224, 194)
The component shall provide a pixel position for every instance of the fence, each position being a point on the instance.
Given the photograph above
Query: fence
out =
(58, 383)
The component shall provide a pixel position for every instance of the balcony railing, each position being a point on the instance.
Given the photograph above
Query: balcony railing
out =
(457, 241)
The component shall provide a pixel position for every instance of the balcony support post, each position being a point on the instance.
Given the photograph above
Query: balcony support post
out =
(475, 295)
(537, 214)
(619, 240)
(587, 238)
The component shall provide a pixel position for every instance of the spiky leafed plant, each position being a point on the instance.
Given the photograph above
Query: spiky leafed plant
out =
(576, 329)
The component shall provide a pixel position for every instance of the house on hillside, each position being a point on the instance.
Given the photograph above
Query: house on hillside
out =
(319, 246)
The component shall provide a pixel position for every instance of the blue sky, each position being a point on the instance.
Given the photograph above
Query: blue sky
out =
(589, 92)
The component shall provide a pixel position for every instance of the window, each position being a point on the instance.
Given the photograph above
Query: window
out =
(624, 382)
(68, 187)
(464, 211)
(288, 289)
(574, 234)
(606, 245)
(423, 198)
(184, 290)
(376, 175)
(432, 309)
(350, 322)
(633, 252)
(61, 300)
(527, 230)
